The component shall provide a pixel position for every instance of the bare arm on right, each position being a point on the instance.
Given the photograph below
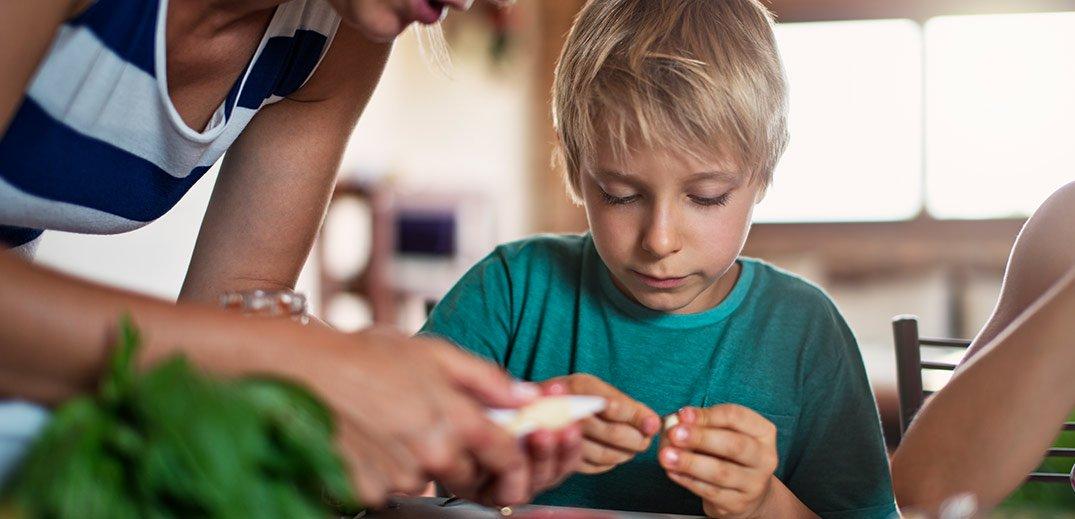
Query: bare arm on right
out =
(1012, 393)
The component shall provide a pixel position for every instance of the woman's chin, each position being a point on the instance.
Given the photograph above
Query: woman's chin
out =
(381, 26)
(381, 32)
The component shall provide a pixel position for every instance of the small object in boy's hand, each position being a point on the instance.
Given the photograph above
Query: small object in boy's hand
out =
(506, 511)
(551, 413)
(671, 421)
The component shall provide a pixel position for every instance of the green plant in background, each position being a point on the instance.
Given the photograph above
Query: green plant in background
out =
(173, 442)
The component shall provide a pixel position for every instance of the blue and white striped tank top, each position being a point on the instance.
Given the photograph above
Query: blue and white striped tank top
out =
(97, 146)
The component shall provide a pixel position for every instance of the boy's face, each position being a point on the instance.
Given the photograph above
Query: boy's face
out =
(669, 227)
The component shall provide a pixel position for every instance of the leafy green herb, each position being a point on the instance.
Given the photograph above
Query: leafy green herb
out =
(174, 442)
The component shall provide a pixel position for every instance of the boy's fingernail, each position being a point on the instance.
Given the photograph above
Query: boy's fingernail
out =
(651, 425)
(671, 456)
(679, 434)
(686, 414)
(525, 391)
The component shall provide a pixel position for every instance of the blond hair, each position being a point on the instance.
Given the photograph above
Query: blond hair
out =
(701, 77)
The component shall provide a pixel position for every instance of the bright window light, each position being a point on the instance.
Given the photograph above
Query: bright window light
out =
(1000, 112)
(855, 123)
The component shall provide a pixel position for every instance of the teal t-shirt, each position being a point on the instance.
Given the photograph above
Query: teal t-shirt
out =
(546, 307)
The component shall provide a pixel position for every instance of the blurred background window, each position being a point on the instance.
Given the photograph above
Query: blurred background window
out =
(1000, 112)
(855, 121)
(995, 123)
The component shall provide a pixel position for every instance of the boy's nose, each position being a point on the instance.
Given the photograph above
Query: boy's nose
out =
(660, 237)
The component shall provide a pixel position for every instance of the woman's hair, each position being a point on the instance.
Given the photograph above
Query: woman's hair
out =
(701, 77)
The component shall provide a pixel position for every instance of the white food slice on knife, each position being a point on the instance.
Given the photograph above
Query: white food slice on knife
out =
(551, 413)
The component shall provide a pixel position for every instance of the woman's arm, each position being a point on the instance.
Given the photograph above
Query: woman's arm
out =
(277, 178)
(55, 331)
(990, 426)
(414, 403)
(1043, 253)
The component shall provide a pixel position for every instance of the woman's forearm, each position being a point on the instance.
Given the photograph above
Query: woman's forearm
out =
(56, 331)
(1011, 399)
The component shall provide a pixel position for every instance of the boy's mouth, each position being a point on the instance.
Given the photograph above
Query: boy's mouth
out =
(660, 283)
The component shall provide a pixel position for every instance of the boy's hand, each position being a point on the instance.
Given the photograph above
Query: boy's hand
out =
(624, 429)
(725, 454)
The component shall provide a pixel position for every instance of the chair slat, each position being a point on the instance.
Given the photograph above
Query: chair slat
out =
(951, 343)
(1060, 452)
(946, 366)
(1049, 477)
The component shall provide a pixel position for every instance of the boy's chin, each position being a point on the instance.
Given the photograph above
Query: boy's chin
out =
(664, 302)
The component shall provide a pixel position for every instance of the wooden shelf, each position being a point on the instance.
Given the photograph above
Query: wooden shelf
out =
(867, 249)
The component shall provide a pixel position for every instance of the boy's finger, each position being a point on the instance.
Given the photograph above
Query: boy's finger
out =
(591, 469)
(736, 417)
(722, 443)
(721, 497)
(597, 453)
(636, 414)
(619, 435)
(620, 408)
(714, 471)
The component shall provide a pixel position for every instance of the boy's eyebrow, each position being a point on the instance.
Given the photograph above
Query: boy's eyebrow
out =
(726, 177)
(614, 176)
(611, 173)
(720, 176)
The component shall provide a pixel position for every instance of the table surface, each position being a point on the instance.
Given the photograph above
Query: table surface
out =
(440, 508)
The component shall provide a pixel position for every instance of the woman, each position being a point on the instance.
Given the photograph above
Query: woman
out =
(111, 109)
(989, 427)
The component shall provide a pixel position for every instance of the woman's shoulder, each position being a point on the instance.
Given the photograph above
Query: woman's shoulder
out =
(1043, 252)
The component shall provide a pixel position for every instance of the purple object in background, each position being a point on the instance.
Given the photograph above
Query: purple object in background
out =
(426, 233)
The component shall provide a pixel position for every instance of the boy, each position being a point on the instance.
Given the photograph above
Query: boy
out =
(671, 116)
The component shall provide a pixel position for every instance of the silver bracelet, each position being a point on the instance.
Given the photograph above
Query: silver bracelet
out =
(267, 303)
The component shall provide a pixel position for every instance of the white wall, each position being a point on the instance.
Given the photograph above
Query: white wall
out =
(469, 132)
(152, 260)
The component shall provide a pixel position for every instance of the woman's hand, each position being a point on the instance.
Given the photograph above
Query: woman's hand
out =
(725, 454)
(411, 409)
(552, 456)
(625, 428)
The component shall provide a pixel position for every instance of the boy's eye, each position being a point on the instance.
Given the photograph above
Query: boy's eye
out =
(618, 200)
(710, 201)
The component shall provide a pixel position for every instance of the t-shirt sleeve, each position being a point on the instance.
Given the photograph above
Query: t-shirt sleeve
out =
(838, 463)
(476, 313)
